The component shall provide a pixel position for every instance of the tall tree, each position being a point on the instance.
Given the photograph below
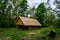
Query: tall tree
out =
(23, 7)
(39, 15)
(57, 11)
(12, 8)
(2, 7)
(49, 18)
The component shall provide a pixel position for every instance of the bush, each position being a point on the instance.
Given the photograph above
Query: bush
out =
(57, 23)
(7, 23)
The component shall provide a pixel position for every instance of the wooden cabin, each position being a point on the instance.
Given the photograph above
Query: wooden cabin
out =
(27, 23)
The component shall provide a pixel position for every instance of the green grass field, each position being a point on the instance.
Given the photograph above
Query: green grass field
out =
(17, 34)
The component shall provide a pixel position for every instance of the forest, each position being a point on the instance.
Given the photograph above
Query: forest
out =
(45, 13)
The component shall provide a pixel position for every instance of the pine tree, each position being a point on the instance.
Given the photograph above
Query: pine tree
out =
(39, 15)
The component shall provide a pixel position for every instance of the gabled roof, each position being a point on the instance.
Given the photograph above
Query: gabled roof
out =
(29, 21)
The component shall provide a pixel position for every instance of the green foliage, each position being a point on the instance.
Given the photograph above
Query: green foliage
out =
(49, 18)
(57, 23)
(23, 6)
(3, 6)
(9, 10)
(7, 23)
(12, 34)
(39, 15)
(15, 34)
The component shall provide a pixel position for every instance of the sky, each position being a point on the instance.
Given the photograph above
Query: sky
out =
(35, 3)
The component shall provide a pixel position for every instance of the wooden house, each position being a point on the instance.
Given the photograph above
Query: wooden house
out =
(27, 23)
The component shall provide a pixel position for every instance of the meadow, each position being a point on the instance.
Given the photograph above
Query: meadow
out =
(17, 34)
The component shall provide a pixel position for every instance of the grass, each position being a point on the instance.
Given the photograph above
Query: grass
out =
(12, 33)
(17, 34)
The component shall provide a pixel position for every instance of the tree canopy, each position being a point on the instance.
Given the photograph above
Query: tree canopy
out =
(39, 15)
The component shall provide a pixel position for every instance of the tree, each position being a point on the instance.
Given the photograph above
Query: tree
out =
(30, 12)
(39, 15)
(23, 7)
(57, 12)
(57, 9)
(3, 4)
(49, 18)
(11, 8)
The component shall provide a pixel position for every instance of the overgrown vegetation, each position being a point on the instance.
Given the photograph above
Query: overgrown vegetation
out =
(11, 9)
(17, 34)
